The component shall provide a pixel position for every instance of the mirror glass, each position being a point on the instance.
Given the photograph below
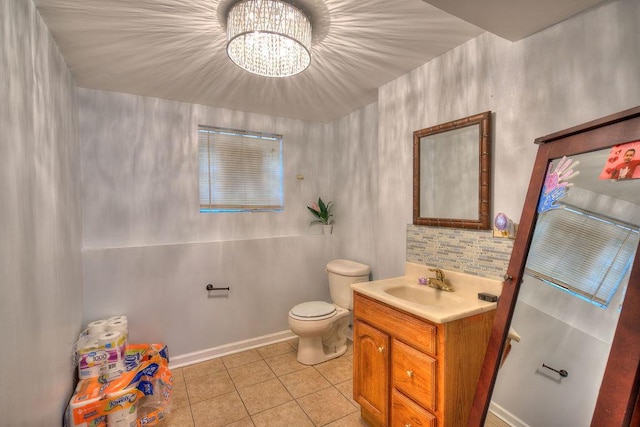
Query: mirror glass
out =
(576, 273)
(444, 159)
(451, 185)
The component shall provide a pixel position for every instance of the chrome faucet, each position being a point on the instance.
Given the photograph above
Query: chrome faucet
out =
(439, 282)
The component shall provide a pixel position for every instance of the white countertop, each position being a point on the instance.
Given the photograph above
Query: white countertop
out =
(447, 306)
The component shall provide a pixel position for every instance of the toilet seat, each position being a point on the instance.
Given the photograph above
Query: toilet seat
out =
(313, 310)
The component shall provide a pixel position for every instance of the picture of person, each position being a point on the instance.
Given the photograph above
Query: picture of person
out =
(622, 162)
(627, 167)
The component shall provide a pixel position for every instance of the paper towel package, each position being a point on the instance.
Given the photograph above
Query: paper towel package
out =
(123, 418)
(141, 394)
(150, 416)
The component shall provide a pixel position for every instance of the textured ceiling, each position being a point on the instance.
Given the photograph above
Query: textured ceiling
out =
(514, 19)
(175, 49)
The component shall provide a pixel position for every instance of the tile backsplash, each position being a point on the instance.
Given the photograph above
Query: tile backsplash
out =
(468, 251)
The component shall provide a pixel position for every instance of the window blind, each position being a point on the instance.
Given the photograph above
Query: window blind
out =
(582, 253)
(239, 170)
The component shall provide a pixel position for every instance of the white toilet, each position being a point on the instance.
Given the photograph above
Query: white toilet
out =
(322, 326)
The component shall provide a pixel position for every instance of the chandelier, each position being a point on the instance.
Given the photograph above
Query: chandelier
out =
(269, 37)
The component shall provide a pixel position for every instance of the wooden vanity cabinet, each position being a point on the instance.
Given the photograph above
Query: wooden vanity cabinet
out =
(409, 371)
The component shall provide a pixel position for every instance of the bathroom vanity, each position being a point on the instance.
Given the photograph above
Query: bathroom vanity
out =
(418, 351)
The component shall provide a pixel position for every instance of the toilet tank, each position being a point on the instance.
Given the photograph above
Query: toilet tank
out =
(342, 273)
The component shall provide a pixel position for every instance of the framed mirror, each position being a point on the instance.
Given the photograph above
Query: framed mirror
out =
(578, 357)
(452, 174)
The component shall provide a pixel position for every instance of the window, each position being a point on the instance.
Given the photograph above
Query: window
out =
(585, 255)
(239, 171)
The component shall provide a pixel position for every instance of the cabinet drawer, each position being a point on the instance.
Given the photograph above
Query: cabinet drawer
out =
(405, 327)
(414, 374)
(406, 413)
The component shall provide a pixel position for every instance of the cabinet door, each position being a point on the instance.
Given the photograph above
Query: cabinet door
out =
(371, 371)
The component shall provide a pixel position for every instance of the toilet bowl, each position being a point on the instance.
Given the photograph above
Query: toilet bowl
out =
(323, 327)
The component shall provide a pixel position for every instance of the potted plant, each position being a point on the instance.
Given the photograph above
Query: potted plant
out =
(322, 213)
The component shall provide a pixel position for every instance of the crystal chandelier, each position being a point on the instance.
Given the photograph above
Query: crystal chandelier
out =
(269, 37)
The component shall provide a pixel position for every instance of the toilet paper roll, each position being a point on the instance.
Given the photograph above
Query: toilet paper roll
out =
(86, 343)
(89, 356)
(97, 327)
(90, 371)
(124, 418)
(110, 339)
(113, 344)
(90, 345)
(118, 324)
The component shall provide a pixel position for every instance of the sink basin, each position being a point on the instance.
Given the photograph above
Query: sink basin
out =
(425, 296)
(438, 306)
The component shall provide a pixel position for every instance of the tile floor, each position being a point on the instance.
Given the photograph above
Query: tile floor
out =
(266, 386)
(493, 421)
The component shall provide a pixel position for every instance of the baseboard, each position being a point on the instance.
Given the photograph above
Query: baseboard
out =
(226, 349)
(506, 416)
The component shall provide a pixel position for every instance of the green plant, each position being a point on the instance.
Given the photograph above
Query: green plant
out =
(321, 211)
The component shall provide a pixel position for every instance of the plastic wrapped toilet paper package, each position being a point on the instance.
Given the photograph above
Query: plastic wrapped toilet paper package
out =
(121, 384)
(100, 348)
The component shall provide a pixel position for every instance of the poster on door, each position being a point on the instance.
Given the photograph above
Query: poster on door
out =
(623, 162)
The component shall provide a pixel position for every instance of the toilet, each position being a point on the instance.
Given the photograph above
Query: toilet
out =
(323, 327)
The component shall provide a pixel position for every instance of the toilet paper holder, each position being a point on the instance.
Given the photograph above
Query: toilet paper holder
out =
(561, 372)
(210, 287)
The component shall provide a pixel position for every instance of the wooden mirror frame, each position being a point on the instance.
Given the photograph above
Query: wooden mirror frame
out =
(619, 388)
(483, 221)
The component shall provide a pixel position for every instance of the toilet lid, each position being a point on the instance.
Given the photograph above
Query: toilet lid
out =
(344, 267)
(314, 310)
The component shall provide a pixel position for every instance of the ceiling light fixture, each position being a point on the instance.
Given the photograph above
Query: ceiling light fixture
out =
(269, 37)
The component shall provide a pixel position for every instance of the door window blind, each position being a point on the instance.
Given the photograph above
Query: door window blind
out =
(581, 253)
(239, 171)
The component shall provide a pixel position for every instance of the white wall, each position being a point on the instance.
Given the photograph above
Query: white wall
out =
(140, 172)
(354, 162)
(40, 221)
(161, 289)
(148, 252)
(579, 70)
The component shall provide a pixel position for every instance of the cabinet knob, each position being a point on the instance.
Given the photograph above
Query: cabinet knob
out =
(380, 349)
(410, 374)
(407, 425)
